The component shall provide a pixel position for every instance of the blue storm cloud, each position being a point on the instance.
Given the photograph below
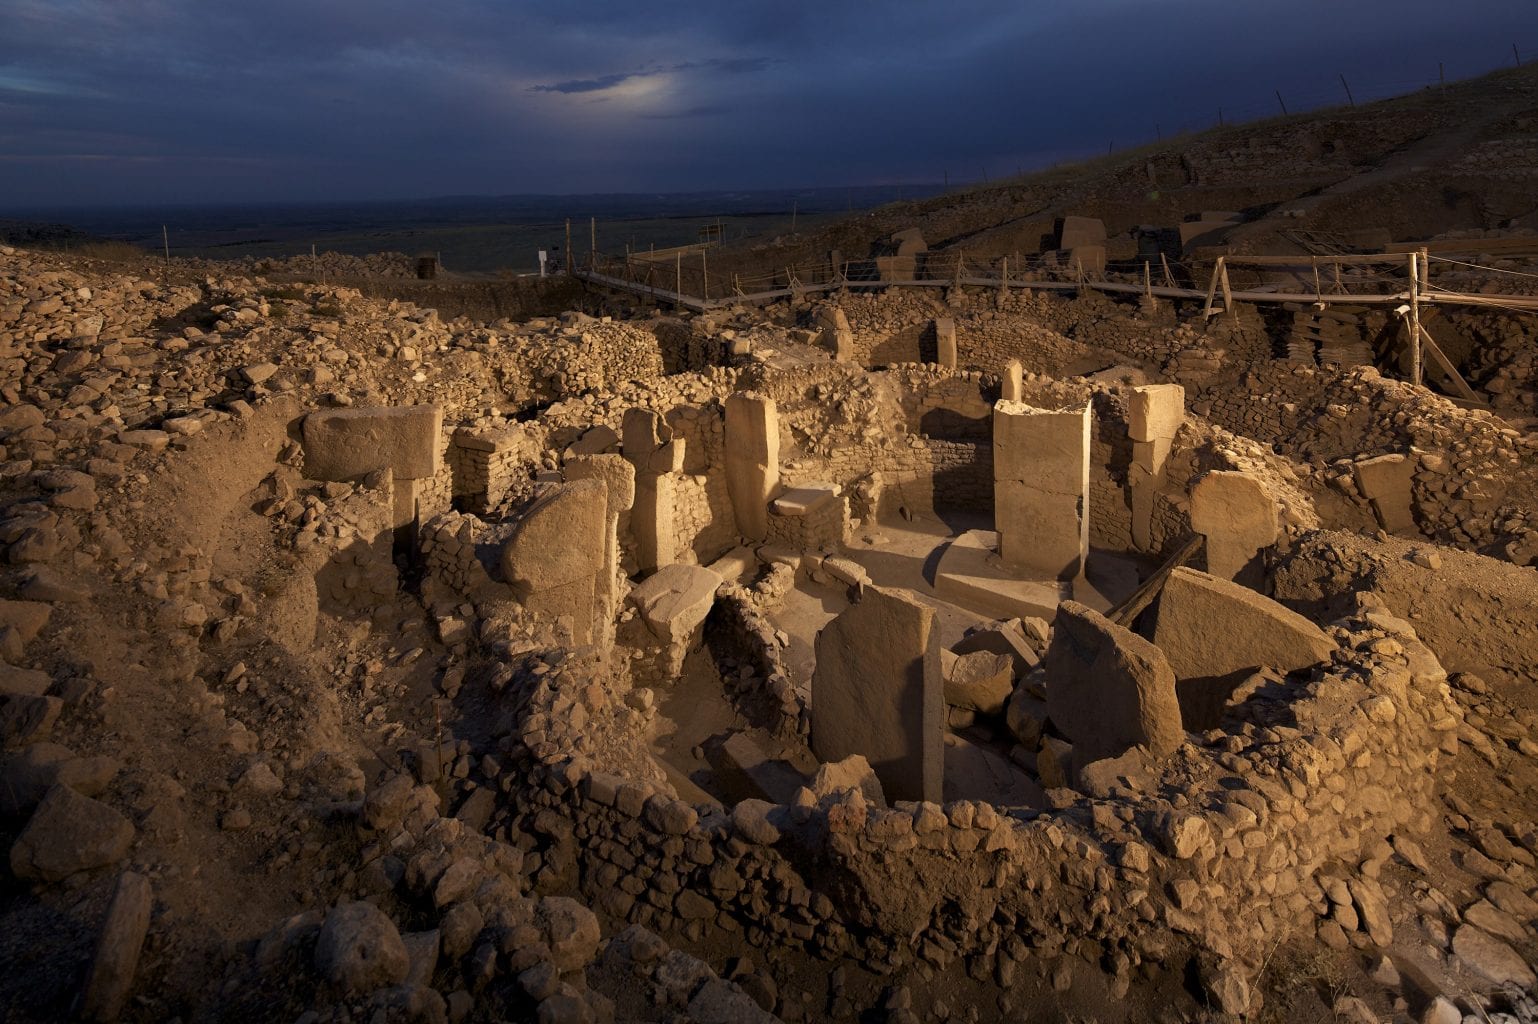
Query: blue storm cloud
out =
(105, 102)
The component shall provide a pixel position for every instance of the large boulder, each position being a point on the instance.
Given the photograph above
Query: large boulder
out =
(360, 950)
(1216, 632)
(1108, 689)
(675, 600)
(69, 833)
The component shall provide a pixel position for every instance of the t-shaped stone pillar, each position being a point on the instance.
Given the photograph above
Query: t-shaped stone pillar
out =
(1237, 516)
(1041, 488)
(945, 342)
(1155, 413)
(1011, 381)
(752, 460)
(648, 444)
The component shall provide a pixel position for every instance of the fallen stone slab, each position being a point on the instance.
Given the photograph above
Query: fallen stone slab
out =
(745, 771)
(675, 600)
(1491, 958)
(1109, 689)
(1006, 637)
(117, 949)
(69, 833)
(347, 444)
(1215, 633)
(971, 575)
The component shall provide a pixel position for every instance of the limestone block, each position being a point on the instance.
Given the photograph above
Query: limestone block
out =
(675, 600)
(1007, 638)
(945, 342)
(843, 346)
(555, 555)
(1156, 411)
(1108, 689)
(1088, 259)
(752, 460)
(853, 772)
(1073, 232)
(877, 691)
(1041, 488)
(1385, 481)
(642, 432)
(909, 242)
(978, 680)
(1237, 516)
(1214, 632)
(346, 444)
(1011, 382)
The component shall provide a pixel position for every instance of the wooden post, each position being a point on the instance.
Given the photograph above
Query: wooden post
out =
(678, 271)
(1318, 290)
(704, 275)
(1349, 98)
(1282, 102)
(1147, 281)
(567, 258)
(165, 238)
(1212, 288)
(592, 243)
(1228, 293)
(1415, 319)
(1169, 278)
(1004, 276)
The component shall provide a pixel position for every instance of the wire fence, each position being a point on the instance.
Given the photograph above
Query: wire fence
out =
(1372, 278)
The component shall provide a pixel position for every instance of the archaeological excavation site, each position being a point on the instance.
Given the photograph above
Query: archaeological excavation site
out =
(1104, 595)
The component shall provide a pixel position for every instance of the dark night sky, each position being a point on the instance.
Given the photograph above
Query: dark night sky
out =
(154, 101)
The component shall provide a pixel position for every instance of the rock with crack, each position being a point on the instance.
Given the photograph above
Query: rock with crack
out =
(1108, 689)
(1215, 633)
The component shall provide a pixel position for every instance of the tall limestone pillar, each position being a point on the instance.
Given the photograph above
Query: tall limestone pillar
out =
(752, 460)
(1041, 488)
(1155, 413)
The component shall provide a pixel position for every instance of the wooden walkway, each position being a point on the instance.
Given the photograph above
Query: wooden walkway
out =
(1522, 303)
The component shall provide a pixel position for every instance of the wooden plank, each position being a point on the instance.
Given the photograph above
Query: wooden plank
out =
(1448, 369)
(1474, 246)
(1143, 596)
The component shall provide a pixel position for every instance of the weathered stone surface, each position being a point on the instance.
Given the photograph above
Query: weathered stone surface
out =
(945, 342)
(978, 681)
(675, 600)
(1385, 481)
(360, 950)
(23, 682)
(69, 833)
(1108, 689)
(27, 618)
(1012, 382)
(1155, 412)
(1214, 632)
(1237, 516)
(117, 949)
(26, 777)
(1041, 488)
(1006, 637)
(557, 552)
(346, 444)
(1491, 958)
(571, 931)
(752, 460)
(877, 691)
(853, 772)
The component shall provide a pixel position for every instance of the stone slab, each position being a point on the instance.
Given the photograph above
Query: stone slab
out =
(1215, 629)
(799, 501)
(971, 575)
(346, 444)
(1156, 411)
(1108, 689)
(877, 692)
